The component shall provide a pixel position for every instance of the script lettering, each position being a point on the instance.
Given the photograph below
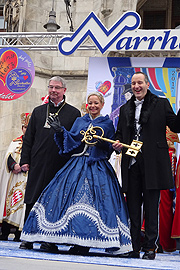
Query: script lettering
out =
(123, 35)
(127, 44)
(165, 41)
(8, 61)
(153, 40)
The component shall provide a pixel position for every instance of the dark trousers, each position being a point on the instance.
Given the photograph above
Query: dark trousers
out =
(136, 196)
(6, 227)
(28, 210)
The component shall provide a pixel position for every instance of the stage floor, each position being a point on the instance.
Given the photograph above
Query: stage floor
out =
(96, 257)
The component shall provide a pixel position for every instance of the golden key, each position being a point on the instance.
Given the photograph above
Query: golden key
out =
(133, 148)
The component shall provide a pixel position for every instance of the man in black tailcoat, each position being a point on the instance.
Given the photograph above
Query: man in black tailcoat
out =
(145, 117)
(40, 155)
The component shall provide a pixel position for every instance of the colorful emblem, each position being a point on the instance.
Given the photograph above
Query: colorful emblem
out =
(104, 87)
(16, 73)
(17, 197)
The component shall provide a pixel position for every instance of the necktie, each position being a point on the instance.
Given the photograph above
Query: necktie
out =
(138, 104)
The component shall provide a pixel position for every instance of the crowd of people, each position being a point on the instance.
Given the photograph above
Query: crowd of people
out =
(73, 196)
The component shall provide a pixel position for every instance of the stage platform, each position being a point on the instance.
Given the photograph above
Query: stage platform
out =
(10, 249)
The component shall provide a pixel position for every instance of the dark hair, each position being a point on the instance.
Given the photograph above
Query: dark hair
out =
(145, 76)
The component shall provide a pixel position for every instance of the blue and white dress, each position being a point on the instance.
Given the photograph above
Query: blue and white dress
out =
(83, 204)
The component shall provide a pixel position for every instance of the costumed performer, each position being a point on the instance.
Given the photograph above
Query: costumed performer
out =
(12, 186)
(175, 233)
(83, 205)
(167, 200)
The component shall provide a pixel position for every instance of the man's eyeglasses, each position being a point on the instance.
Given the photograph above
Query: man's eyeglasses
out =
(56, 87)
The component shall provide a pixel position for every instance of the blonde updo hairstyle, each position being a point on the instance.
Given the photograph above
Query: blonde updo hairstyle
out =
(98, 94)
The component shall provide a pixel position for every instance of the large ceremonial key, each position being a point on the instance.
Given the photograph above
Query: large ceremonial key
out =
(133, 148)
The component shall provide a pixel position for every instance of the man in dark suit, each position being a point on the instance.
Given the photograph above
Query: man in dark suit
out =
(40, 154)
(145, 117)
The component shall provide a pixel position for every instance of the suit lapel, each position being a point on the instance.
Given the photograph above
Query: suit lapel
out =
(130, 112)
(149, 103)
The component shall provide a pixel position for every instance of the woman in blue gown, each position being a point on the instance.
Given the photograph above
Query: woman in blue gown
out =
(83, 204)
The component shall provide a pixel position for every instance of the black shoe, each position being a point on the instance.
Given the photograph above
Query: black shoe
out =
(26, 245)
(49, 247)
(3, 237)
(17, 236)
(160, 249)
(16, 239)
(149, 255)
(118, 253)
(131, 255)
(79, 250)
(134, 255)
